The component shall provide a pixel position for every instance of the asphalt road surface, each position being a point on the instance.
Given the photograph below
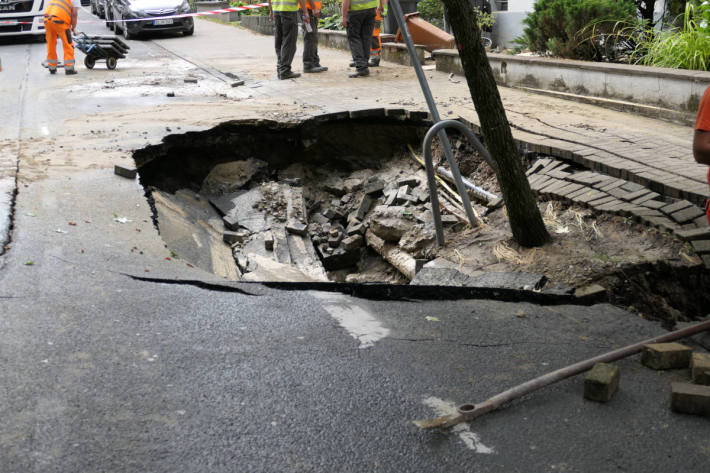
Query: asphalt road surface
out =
(116, 358)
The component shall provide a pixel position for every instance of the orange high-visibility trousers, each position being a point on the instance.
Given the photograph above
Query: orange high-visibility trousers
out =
(376, 48)
(52, 32)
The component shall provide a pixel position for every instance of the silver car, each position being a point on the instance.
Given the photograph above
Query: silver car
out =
(151, 13)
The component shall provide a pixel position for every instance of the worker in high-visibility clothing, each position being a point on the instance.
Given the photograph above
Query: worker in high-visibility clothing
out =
(311, 60)
(376, 43)
(358, 18)
(284, 13)
(60, 22)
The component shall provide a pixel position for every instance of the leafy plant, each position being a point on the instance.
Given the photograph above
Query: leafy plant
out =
(331, 22)
(554, 26)
(250, 12)
(685, 47)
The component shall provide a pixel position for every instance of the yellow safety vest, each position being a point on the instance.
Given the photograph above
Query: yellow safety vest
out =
(284, 5)
(363, 4)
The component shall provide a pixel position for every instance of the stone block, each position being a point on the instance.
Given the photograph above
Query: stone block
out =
(128, 172)
(687, 214)
(297, 228)
(601, 382)
(355, 228)
(701, 246)
(363, 206)
(666, 356)
(411, 181)
(690, 399)
(700, 368)
(269, 240)
(232, 238)
(230, 223)
(374, 187)
(694, 234)
(675, 207)
(353, 242)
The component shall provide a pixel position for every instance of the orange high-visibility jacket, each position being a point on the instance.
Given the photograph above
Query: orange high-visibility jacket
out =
(59, 10)
(318, 5)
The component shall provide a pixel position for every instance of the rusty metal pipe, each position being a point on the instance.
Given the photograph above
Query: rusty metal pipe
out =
(467, 412)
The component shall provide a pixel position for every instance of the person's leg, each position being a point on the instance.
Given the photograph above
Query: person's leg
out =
(278, 39)
(354, 33)
(310, 43)
(314, 26)
(376, 46)
(368, 25)
(68, 48)
(289, 23)
(50, 35)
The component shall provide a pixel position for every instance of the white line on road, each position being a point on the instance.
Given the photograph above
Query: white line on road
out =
(469, 438)
(359, 323)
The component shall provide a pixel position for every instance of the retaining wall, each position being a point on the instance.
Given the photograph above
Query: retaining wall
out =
(654, 91)
(259, 23)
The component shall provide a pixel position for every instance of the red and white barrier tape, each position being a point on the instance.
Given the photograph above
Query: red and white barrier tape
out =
(182, 15)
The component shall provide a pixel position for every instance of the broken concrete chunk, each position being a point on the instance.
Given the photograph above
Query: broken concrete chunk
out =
(355, 228)
(230, 223)
(235, 237)
(439, 276)
(509, 280)
(225, 203)
(297, 228)
(374, 187)
(391, 196)
(690, 399)
(592, 292)
(228, 177)
(335, 186)
(353, 184)
(411, 181)
(700, 366)
(666, 356)
(416, 239)
(269, 241)
(390, 229)
(363, 206)
(129, 172)
(339, 258)
(601, 382)
(353, 242)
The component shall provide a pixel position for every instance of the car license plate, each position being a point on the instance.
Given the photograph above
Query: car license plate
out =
(7, 7)
(166, 21)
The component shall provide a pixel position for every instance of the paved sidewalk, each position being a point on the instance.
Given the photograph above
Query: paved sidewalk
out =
(650, 152)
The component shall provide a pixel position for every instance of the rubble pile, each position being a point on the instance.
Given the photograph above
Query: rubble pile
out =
(320, 223)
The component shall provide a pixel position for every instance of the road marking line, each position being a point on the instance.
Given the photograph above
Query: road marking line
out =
(358, 322)
(468, 437)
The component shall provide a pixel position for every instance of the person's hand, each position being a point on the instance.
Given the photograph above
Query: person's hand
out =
(316, 13)
(344, 21)
(306, 18)
(271, 15)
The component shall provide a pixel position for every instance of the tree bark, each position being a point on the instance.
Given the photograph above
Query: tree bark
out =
(523, 213)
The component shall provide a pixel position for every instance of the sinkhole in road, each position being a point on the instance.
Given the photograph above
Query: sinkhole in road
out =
(344, 198)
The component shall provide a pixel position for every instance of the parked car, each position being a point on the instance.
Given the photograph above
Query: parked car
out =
(98, 8)
(154, 10)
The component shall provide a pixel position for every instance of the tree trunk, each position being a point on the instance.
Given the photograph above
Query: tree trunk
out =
(523, 212)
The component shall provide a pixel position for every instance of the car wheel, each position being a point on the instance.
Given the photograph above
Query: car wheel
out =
(127, 34)
(190, 31)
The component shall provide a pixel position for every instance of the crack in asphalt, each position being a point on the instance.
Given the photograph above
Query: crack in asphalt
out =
(191, 282)
(5, 245)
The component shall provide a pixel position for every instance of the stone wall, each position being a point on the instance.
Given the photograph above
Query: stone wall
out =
(391, 51)
(259, 23)
(659, 92)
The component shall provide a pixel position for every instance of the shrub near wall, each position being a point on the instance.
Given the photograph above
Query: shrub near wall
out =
(554, 26)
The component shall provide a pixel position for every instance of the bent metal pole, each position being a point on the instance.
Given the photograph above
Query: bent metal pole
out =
(467, 412)
(433, 110)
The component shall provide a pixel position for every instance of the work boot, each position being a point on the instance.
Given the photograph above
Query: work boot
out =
(374, 62)
(52, 70)
(360, 73)
(310, 70)
(352, 64)
(289, 75)
(70, 71)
